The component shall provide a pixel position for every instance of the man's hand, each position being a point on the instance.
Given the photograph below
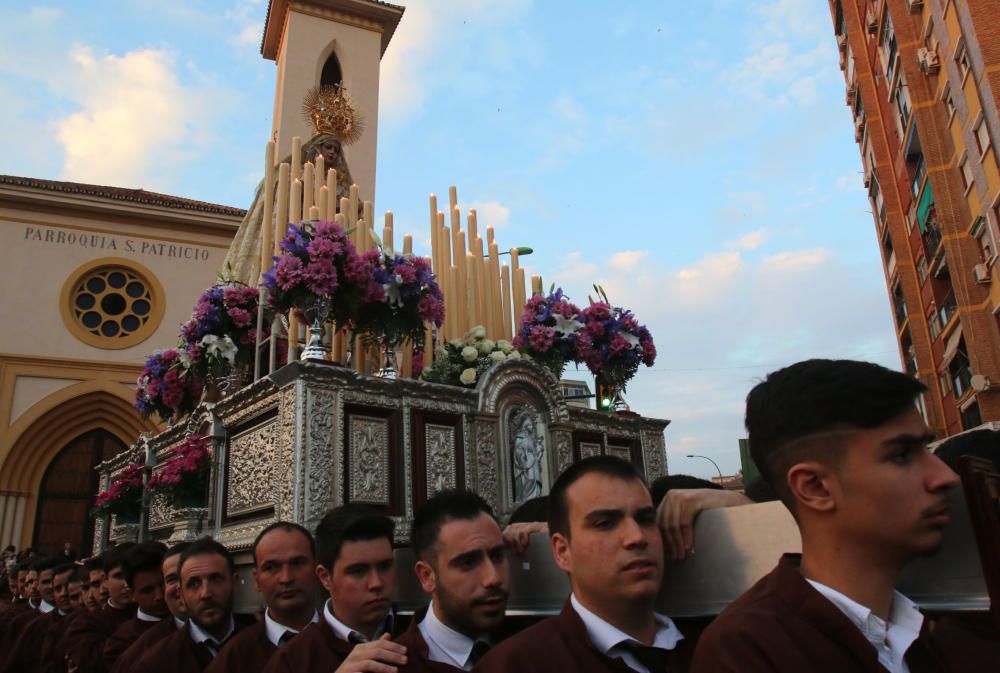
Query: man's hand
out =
(517, 535)
(679, 508)
(374, 657)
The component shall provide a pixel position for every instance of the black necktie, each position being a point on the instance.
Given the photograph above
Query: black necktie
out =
(479, 648)
(355, 638)
(285, 637)
(655, 659)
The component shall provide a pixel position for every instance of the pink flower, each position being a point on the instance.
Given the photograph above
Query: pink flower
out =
(618, 344)
(240, 317)
(289, 272)
(406, 272)
(541, 338)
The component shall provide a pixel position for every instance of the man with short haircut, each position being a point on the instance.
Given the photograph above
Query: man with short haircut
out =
(356, 566)
(845, 448)
(462, 563)
(284, 556)
(142, 566)
(208, 583)
(604, 534)
(42, 602)
(84, 640)
(91, 588)
(29, 652)
(165, 627)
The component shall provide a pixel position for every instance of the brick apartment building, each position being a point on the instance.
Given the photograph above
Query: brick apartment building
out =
(923, 86)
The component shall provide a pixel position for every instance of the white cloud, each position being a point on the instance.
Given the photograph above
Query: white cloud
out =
(750, 241)
(797, 261)
(488, 214)
(629, 260)
(567, 108)
(136, 122)
(573, 270)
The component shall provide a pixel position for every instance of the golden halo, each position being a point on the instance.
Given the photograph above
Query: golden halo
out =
(329, 110)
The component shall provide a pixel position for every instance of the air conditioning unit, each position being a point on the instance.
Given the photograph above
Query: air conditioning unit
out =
(916, 6)
(981, 273)
(852, 94)
(928, 60)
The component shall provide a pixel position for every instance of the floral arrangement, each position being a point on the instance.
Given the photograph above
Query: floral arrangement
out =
(124, 494)
(548, 331)
(612, 343)
(318, 261)
(463, 361)
(401, 295)
(167, 386)
(184, 475)
(221, 331)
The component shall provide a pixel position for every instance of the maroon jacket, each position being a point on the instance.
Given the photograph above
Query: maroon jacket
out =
(28, 652)
(417, 652)
(561, 644)
(123, 638)
(128, 659)
(84, 638)
(783, 625)
(317, 648)
(178, 653)
(246, 652)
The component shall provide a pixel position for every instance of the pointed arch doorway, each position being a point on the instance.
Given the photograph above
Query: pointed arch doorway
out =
(67, 493)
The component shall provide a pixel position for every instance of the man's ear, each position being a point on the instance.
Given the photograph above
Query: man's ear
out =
(426, 576)
(256, 586)
(810, 484)
(562, 553)
(324, 576)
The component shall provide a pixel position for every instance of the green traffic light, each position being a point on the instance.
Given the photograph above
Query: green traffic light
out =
(605, 402)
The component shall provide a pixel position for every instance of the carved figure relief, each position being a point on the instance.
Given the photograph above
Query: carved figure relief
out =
(654, 455)
(440, 451)
(527, 454)
(588, 449)
(623, 452)
(251, 471)
(369, 460)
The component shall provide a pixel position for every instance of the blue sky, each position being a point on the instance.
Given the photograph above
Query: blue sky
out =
(696, 159)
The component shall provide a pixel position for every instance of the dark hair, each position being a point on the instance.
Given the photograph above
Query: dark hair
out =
(349, 523)
(28, 563)
(145, 557)
(759, 490)
(92, 564)
(815, 396)
(442, 507)
(663, 485)
(609, 466)
(979, 443)
(47, 563)
(286, 526)
(113, 557)
(82, 575)
(203, 546)
(176, 549)
(531, 510)
(62, 568)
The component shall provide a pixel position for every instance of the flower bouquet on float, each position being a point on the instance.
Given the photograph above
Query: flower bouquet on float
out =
(182, 478)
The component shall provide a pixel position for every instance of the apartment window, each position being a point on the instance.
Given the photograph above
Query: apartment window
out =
(875, 193)
(966, 172)
(961, 374)
(922, 268)
(949, 102)
(984, 235)
(971, 417)
(902, 104)
(922, 406)
(889, 46)
(982, 136)
(934, 324)
(918, 175)
(944, 380)
(962, 59)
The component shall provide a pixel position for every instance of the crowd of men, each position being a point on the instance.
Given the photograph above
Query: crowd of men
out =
(841, 443)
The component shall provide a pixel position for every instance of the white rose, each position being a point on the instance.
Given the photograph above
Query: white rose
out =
(468, 376)
(455, 343)
(477, 332)
(486, 346)
(440, 353)
(497, 356)
(514, 355)
(505, 345)
(469, 353)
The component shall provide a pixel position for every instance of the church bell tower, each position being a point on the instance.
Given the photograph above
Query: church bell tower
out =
(317, 42)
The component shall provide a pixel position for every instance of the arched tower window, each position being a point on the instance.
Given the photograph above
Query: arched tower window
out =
(331, 75)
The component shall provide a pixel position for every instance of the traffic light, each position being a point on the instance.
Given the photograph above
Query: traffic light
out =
(604, 394)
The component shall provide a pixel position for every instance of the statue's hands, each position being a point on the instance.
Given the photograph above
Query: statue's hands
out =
(517, 535)
(679, 509)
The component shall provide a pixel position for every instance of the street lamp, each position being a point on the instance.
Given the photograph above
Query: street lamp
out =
(521, 251)
(694, 455)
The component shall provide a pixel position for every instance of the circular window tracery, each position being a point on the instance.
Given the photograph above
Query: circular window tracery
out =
(112, 304)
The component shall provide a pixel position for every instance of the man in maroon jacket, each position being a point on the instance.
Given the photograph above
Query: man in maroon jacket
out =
(29, 652)
(284, 556)
(208, 582)
(165, 627)
(142, 566)
(356, 566)
(604, 535)
(462, 563)
(84, 639)
(91, 588)
(845, 448)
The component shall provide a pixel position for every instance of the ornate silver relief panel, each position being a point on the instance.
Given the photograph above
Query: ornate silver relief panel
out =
(654, 455)
(369, 459)
(440, 452)
(588, 449)
(251, 470)
(526, 444)
(623, 452)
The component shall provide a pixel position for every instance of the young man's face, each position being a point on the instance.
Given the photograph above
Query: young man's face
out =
(45, 587)
(148, 593)
(118, 590)
(890, 492)
(74, 594)
(31, 586)
(361, 583)
(470, 576)
(60, 594)
(614, 554)
(172, 587)
(208, 590)
(285, 573)
(91, 591)
(22, 576)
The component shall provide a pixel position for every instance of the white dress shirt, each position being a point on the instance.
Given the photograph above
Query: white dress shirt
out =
(890, 640)
(213, 644)
(275, 630)
(444, 644)
(143, 617)
(608, 638)
(45, 607)
(345, 632)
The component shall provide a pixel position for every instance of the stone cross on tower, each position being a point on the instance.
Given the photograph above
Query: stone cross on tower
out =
(329, 42)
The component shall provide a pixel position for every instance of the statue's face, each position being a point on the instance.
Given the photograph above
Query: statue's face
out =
(331, 152)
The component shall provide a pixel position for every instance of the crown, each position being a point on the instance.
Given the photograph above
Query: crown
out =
(328, 109)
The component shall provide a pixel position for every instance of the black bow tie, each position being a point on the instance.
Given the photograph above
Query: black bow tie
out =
(655, 659)
(479, 649)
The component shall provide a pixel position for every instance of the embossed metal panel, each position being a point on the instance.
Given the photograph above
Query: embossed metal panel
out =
(440, 452)
(588, 449)
(369, 442)
(250, 484)
(623, 452)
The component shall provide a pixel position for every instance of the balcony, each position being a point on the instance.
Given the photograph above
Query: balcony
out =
(931, 236)
(948, 309)
(900, 309)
